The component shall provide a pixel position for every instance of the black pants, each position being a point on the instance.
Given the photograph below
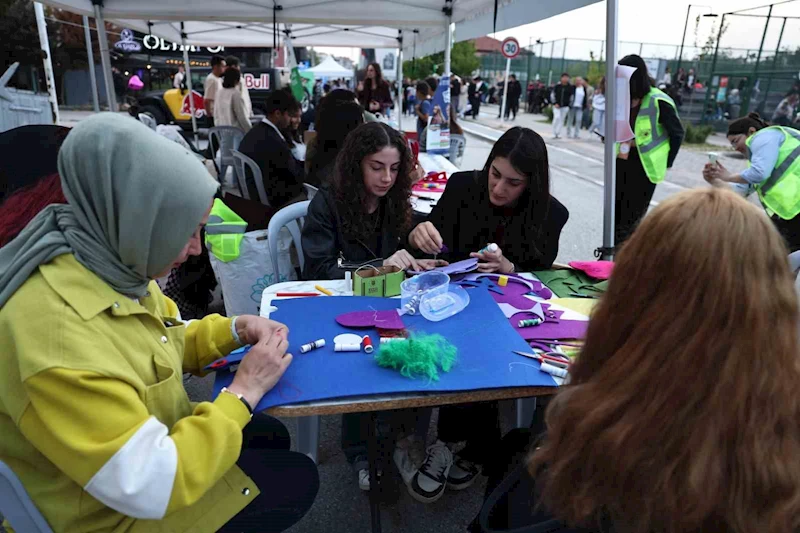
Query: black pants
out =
(476, 423)
(790, 230)
(512, 108)
(392, 425)
(633, 194)
(475, 102)
(288, 481)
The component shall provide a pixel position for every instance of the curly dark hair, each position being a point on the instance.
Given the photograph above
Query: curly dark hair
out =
(348, 183)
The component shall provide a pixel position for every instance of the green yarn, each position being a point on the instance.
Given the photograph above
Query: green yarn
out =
(420, 355)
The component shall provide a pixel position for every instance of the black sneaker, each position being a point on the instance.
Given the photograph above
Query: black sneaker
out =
(462, 474)
(429, 482)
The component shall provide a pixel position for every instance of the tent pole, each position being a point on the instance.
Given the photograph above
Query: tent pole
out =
(400, 91)
(189, 86)
(90, 55)
(610, 160)
(105, 56)
(448, 44)
(44, 42)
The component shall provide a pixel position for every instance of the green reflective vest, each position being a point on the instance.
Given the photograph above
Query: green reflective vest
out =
(780, 192)
(224, 232)
(652, 140)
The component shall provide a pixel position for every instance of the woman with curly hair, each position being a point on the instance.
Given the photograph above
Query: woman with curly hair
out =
(362, 217)
(682, 413)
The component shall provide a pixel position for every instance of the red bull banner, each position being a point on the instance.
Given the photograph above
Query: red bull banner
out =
(199, 107)
(258, 82)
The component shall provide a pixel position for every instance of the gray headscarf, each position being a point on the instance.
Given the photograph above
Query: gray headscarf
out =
(134, 200)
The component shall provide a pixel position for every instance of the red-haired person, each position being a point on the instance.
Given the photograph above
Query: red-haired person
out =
(682, 414)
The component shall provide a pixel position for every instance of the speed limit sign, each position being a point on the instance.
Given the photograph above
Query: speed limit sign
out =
(510, 48)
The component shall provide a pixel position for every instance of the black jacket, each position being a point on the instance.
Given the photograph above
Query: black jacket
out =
(467, 222)
(564, 94)
(324, 243)
(282, 173)
(514, 91)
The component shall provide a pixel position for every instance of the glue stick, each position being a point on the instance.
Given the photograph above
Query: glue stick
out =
(347, 347)
(554, 371)
(491, 247)
(367, 342)
(312, 346)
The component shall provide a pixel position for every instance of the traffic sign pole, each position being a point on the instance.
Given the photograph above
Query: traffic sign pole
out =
(505, 91)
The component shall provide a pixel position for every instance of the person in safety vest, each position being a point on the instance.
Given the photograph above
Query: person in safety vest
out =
(642, 162)
(774, 171)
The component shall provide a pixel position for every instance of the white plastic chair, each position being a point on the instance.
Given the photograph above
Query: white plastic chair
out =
(290, 216)
(17, 507)
(457, 145)
(224, 139)
(241, 163)
(311, 191)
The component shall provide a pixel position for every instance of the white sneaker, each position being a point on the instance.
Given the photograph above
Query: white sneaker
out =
(430, 480)
(363, 479)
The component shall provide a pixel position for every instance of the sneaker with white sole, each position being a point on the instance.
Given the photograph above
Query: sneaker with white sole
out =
(462, 474)
(363, 479)
(430, 480)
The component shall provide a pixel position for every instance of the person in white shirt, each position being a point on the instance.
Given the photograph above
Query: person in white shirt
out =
(576, 108)
(233, 62)
(599, 107)
(177, 80)
(229, 108)
(211, 85)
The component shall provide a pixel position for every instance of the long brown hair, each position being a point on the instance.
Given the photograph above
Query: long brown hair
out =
(683, 413)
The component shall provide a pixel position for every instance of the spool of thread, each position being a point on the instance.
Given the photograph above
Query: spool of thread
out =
(491, 247)
(554, 371)
(387, 340)
(503, 281)
(312, 346)
(367, 344)
(347, 347)
(529, 322)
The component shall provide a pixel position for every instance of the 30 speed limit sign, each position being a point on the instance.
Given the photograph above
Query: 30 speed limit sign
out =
(510, 48)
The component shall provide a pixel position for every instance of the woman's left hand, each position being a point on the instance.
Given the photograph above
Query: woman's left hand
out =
(430, 264)
(402, 260)
(493, 262)
(253, 329)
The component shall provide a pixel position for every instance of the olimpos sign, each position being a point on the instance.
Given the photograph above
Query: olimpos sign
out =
(151, 42)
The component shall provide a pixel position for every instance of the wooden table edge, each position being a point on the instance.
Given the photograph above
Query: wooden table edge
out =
(366, 404)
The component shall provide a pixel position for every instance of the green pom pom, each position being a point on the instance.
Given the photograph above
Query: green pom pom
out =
(420, 355)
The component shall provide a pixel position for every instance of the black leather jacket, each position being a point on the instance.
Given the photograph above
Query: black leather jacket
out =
(327, 252)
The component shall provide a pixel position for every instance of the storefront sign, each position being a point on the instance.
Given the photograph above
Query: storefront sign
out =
(151, 42)
(127, 43)
(261, 83)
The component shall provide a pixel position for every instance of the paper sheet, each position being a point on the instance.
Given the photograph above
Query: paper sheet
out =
(622, 113)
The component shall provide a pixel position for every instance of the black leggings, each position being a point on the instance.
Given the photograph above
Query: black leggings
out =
(288, 481)
(633, 194)
(790, 230)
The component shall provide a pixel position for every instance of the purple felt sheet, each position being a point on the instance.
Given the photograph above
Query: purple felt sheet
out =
(563, 329)
(369, 319)
(514, 290)
(461, 267)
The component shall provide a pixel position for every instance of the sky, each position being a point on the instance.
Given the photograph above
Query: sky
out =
(660, 23)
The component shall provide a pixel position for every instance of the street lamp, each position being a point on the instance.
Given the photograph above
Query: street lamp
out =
(685, 25)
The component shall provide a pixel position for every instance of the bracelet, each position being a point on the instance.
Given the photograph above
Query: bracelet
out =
(241, 399)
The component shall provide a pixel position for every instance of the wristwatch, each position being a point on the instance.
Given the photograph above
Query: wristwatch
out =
(241, 399)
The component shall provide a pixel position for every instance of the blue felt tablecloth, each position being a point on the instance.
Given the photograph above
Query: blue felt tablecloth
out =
(483, 336)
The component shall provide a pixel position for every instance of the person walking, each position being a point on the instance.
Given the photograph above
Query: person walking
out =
(476, 88)
(643, 162)
(212, 85)
(455, 92)
(784, 113)
(562, 98)
(229, 107)
(599, 107)
(233, 62)
(514, 94)
(179, 78)
(375, 96)
(773, 173)
(576, 108)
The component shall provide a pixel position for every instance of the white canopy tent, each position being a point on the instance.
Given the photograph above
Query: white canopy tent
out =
(329, 68)
(426, 26)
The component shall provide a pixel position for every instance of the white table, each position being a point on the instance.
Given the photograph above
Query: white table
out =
(431, 163)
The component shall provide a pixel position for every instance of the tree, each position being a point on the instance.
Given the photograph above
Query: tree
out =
(596, 70)
(19, 38)
(463, 62)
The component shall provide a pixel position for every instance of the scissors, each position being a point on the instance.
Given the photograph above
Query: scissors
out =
(552, 358)
(229, 362)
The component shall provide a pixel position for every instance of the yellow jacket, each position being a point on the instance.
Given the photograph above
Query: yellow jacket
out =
(94, 417)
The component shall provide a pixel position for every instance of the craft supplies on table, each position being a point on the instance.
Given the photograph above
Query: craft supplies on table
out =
(323, 290)
(481, 334)
(274, 293)
(569, 283)
(312, 346)
(381, 281)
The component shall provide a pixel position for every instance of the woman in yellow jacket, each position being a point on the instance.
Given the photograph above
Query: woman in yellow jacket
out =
(93, 413)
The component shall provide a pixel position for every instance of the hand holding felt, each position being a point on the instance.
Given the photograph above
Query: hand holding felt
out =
(461, 267)
(492, 261)
(426, 237)
(369, 319)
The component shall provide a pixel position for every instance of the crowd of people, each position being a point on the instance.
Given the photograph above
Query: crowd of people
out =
(689, 403)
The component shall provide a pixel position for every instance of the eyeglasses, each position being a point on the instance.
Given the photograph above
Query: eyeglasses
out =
(734, 142)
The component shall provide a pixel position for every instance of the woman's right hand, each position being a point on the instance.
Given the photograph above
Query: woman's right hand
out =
(426, 237)
(262, 367)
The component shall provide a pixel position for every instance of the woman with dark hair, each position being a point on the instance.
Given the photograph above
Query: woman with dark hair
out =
(643, 162)
(362, 215)
(229, 106)
(599, 108)
(508, 203)
(375, 97)
(774, 172)
(335, 120)
(637, 442)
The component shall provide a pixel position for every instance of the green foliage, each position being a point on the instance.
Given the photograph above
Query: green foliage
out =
(418, 69)
(463, 62)
(595, 71)
(696, 134)
(548, 112)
